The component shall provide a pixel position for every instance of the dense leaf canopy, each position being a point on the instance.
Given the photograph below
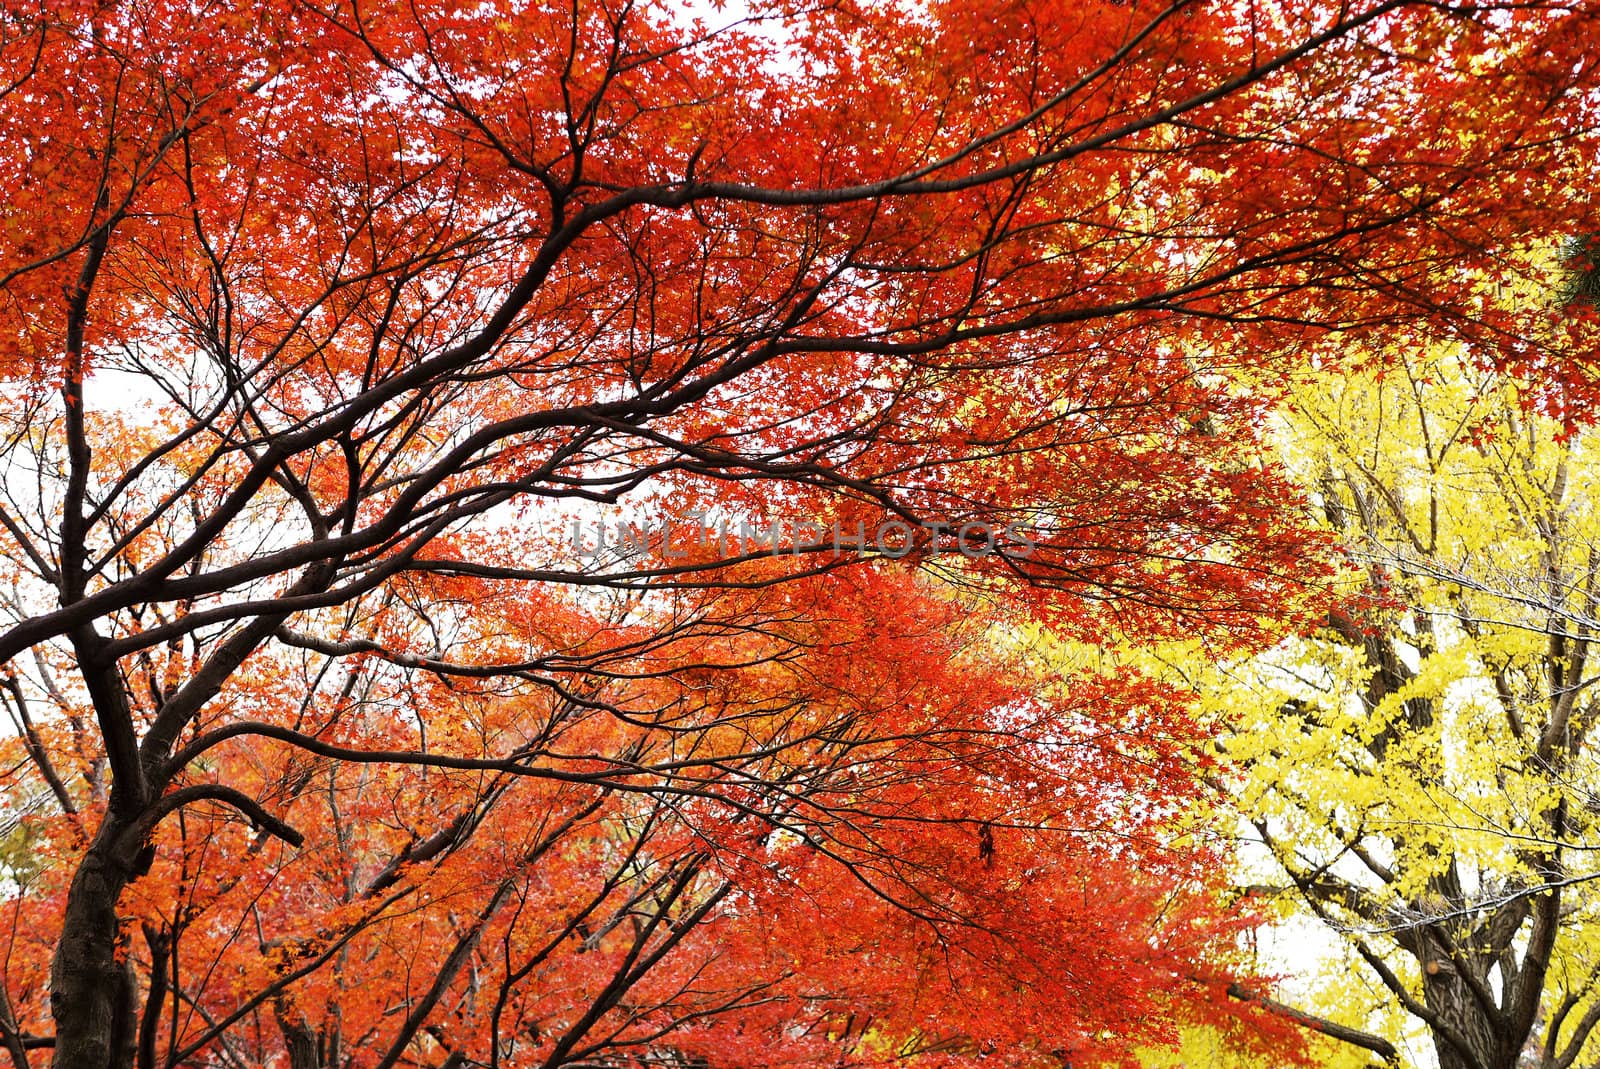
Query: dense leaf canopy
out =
(322, 325)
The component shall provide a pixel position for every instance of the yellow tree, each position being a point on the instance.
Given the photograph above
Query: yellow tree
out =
(1421, 768)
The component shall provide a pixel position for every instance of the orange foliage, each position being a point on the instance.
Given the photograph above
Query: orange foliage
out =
(322, 325)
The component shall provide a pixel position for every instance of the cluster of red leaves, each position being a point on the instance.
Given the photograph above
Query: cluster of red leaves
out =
(419, 282)
(858, 833)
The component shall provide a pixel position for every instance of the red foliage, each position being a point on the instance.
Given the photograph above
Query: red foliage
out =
(322, 323)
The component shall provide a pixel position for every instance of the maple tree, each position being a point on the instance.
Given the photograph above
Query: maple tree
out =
(845, 846)
(323, 323)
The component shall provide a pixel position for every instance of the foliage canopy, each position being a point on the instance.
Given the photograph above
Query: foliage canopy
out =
(321, 322)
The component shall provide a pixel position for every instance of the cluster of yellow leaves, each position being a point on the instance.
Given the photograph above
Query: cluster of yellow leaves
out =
(1419, 770)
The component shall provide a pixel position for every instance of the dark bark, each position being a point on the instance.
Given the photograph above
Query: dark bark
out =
(305, 1046)
(93, 997)
(1447, 994)
(159, 941)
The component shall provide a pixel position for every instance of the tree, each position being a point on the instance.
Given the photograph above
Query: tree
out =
(847, 846)
(418, 285)
(1422, 767)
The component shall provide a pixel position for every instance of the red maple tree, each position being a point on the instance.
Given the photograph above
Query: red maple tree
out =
(323, 322)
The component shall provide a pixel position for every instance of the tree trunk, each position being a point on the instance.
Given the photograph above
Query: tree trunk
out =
(93, 997)
(306, 1048)
(1448, 995)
